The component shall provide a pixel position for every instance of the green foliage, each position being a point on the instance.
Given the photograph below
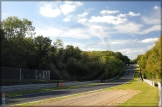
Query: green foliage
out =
(150, 62)
(63, 62)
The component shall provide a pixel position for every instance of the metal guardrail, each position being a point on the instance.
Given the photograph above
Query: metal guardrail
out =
(149, 82)
(15, 88)
(159, 87)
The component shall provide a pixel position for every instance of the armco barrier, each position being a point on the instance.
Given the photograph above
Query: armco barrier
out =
(149, 82)
(16, 88)
(159, 87)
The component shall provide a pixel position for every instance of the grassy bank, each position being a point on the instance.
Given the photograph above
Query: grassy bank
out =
(148, 96)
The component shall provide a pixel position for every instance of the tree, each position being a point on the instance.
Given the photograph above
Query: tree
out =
(14, 27)
(42, 47)
(59, 43)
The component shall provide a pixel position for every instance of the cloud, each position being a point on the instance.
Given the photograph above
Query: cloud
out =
(122, 15)
(67, 19)
(105, 12)
(49, 10)
(151, 29)
(149, 40)
(92, 49)
(69, 7)
(120, 42)
(74, 44)
(128, 28)
(150, 46)
(130, 51)
(133, 14)
(151, 20)
(107, 19)
(156, 8)
(83, 20)
(49, 31)
(83, 14)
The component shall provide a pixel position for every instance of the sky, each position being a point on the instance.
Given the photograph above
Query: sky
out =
(131, 28)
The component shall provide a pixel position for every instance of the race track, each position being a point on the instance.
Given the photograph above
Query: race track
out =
(41, 96)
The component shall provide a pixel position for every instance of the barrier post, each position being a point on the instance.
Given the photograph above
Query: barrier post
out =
(3, 99)
(20, 74)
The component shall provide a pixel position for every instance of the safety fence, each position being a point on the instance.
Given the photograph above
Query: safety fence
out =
(15, 88)
(149, 82)
(24, 74)
(159, 87)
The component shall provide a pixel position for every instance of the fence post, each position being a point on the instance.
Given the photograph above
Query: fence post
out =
(20, 74)
(36, 75)
(43, 74)
(49, 74)
(46, 75)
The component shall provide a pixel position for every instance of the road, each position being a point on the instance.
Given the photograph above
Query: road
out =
(41, 96)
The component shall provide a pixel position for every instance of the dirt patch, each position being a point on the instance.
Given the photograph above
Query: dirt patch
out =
(109, 98)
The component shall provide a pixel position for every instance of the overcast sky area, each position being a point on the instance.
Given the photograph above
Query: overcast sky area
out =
(127, 27)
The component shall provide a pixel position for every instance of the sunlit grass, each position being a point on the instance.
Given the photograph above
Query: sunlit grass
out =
(148, 95)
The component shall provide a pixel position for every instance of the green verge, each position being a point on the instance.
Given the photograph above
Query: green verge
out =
(148, 96)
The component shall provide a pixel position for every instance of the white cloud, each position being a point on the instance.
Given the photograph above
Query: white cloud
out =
(47, 31)
(150, 46)
(107, 19)
(122, 15)
(50, 31)
(134, 28)
(83, 14)
(156, 8)
(49, 10)
(120, 42)
(151, 20)
(78, 3)
(133, 14)
(74, 44)
(130, 51)
(151, 29)
(92, 49)
(149, 40)
(67, 19)
(105, 12)
(83, 20)
(69, 7)
(128, 28)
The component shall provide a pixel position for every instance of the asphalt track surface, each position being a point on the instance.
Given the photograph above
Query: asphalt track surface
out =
(64, 92)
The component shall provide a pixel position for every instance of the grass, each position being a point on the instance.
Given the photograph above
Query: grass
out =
(148, 96)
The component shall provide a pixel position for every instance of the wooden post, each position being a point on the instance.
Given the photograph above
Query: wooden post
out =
(20, 74)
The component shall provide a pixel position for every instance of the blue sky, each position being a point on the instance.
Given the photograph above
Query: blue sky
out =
(127, 27)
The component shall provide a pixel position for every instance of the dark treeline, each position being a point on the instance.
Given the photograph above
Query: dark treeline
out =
(151, 62)
(20, 49)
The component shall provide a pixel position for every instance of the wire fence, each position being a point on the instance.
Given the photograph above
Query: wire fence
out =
(24, 74)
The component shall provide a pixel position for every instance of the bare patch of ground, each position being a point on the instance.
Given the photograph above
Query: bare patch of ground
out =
(109, 98)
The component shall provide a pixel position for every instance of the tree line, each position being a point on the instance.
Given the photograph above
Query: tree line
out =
(21, 49)
(151, 61)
